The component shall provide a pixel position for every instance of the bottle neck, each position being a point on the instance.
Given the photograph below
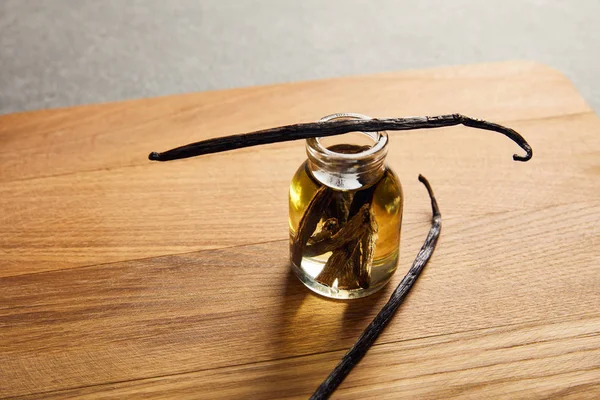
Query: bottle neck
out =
(348, 162)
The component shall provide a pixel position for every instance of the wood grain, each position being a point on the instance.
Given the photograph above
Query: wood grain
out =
(189, 312)
(54, 142)
(486, 363)
(96, 217)
(122, 278)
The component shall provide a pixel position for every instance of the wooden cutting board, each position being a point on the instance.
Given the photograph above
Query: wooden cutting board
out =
(124, 278)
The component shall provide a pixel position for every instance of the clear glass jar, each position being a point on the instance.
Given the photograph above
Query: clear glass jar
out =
(345, 214)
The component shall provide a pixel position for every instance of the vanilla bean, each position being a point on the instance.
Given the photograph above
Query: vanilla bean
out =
(363, 263)
(356, 262)
(336, 127)
(370, 334)
(367, 246)
(348, 280)
(339, 206)
(329, 228)
(309, 221)
(339, 266)
(364, 196)
(353, 230)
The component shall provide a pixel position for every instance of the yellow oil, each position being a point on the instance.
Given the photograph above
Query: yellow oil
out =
(386, 206)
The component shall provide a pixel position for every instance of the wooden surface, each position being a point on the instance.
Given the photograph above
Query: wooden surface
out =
(123, 278)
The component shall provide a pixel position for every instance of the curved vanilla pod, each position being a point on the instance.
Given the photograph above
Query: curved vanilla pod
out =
(368, 337)
(336, 127)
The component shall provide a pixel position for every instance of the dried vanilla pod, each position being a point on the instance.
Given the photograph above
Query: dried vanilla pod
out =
(310, 220)
(353, 247)
(339, 207)
(355, 240)
(352, 230)
(363, 262)
(347, 278)
(330, 128)
(336, 268)
(370, 334)
(329, 228)
(356, 261)
(362, 197)
(367, 252)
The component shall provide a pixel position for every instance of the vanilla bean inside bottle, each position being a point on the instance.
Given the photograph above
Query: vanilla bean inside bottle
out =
(345, 214)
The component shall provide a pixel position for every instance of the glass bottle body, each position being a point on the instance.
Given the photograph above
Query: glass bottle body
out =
(345, 219)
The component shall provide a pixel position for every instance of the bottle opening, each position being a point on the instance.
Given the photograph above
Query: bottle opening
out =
(349, 143)
(349, 146)
(350, 161)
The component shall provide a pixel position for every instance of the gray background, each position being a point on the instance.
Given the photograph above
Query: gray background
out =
(57, 53)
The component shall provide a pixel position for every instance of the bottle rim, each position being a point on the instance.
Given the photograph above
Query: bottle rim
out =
(316, 148)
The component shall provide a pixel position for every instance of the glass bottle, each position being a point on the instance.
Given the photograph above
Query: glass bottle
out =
(345, 214)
